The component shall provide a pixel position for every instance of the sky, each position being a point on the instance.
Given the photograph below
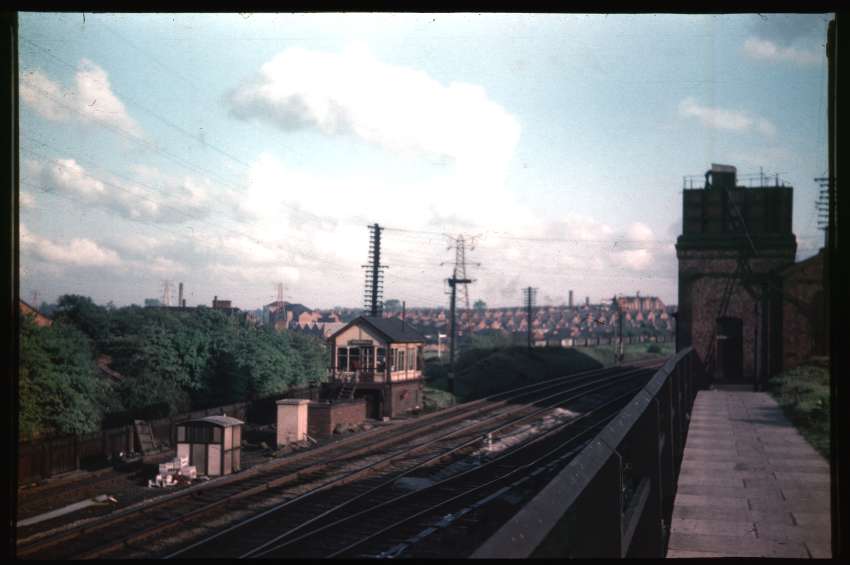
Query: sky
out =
(233, 152)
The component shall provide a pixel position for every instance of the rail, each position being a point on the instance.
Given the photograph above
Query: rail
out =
(615, 498)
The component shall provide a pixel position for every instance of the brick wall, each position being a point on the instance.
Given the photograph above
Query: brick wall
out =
(803, 312)
(703, 276)
(404, 398)
(323, 417)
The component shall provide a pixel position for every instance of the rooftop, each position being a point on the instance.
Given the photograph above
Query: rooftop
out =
(224, 421)
(392, 328)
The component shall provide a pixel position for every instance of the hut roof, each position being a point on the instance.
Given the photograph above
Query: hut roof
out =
(224, 421)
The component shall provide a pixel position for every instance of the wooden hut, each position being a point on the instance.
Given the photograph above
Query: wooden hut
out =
(212, 444)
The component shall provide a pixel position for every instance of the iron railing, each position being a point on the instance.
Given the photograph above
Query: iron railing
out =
(615, 498)
(360, 376)
(751, 180)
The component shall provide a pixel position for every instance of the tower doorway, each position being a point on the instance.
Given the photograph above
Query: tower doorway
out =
(730, 350)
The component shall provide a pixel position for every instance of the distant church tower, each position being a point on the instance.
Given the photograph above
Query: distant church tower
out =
(735, 240)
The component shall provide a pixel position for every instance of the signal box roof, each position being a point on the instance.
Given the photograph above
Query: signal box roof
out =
(390, 328)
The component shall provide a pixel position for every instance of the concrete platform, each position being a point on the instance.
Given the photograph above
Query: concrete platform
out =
(750, 484)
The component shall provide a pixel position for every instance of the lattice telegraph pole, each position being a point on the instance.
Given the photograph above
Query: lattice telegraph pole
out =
(373, 293)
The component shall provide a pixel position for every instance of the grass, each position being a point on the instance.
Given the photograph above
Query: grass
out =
(632, 352)
(485, 371)
(482, 372)
(436, 397)
(803, 394)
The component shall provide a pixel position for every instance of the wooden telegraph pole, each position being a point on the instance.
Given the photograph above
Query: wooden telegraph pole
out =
(453, 282)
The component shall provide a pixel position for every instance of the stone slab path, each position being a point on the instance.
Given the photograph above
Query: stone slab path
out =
(750, 484)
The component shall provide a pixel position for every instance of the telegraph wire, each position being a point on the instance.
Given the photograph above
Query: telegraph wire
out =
(335, 267)
(131, 100)
(241, 189)
(140, 184)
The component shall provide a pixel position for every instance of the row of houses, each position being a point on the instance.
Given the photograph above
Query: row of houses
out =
(641, 315)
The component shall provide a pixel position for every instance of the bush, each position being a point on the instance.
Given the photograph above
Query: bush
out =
(803, 393)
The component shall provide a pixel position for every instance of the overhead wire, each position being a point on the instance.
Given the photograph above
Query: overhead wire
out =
(239, 188)
(138, 184)
(408, 233)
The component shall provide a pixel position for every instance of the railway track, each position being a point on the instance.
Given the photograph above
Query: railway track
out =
(386, 518)
(310, 474)
(375, 482)
(47, 497)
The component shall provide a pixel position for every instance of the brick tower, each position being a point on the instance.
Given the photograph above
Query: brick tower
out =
(735, 240)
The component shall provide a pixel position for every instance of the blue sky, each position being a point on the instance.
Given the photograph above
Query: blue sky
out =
(232, 152)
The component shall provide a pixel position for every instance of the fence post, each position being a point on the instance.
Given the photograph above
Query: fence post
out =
(648, 539)
(599, 514)
(668, 450)
(45, 460)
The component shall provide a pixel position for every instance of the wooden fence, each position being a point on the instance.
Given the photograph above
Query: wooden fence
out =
(43, 458)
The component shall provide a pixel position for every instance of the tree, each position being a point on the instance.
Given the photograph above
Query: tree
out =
(171, 361)
(59, 389)
(480, 305)
(88, 317)
(392, 305)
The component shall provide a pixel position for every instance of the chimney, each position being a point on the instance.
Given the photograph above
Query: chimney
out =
(571, 299)
(587, 301)
(180, 295)
(403, 307)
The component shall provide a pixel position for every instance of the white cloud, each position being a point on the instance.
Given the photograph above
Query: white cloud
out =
(720, 118)
(80, 252)
(162, 265)
(765, 49)
(641, 232)
(26, 200)
(43, 95)
(395, 107)
(92, 101)
(178, 200)
(637, 259)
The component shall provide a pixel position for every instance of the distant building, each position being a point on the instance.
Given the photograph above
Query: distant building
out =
(223, 306)
(283, 315)
(40, 319)
(152, 302)
(640, 303)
